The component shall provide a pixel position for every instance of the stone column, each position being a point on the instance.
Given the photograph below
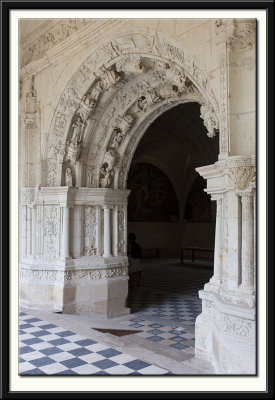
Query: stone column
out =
(217, 276)
(66, 233)
(247, 260)
(33, 242)
(28, 231)
(107, 232)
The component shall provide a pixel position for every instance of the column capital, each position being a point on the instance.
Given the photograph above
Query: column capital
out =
(246, 196)
(107, 207)
(217, 197)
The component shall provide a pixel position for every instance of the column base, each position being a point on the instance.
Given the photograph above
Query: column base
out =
(65, 258)
(225, 335)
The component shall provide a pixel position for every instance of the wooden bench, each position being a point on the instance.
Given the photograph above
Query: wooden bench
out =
(150, 253)
(193, 250)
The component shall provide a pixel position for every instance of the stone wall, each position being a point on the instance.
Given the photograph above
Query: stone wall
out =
(89, 89)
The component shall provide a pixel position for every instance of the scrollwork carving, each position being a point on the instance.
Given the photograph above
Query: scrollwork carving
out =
(47, 41)
(236, 326)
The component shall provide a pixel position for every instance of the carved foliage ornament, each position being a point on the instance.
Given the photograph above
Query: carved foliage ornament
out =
(210, 120)
(243, 177)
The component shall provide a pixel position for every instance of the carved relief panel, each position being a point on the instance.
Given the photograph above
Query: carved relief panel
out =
(51, 230)
(90, 230)
(122, 231)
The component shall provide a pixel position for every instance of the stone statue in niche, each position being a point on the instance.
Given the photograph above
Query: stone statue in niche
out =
(176, 76)
(69, 177)
(109, 78)
(117, 138)
(105, 176)
(77, 130)
(125, 122)
(147, 100)
(109, 159)
(167, 90)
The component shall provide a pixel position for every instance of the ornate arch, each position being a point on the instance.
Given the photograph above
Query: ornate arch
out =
(111, 100)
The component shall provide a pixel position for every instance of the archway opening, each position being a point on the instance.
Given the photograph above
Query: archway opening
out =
(169, 212)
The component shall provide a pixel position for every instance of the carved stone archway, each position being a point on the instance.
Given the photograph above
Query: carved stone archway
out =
(74, 255)
(110, 95)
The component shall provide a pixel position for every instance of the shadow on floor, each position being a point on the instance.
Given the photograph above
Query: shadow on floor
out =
(163, 284)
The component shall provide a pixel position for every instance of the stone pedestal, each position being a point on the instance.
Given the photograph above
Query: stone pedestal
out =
(70, 222)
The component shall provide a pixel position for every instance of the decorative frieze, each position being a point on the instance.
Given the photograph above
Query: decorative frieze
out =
(236, 326)
(72, 276)
(63, 30)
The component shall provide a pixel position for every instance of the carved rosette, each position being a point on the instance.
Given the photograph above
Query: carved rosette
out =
(243, 177)
(90, 224)
(29, 196)
(31, 121)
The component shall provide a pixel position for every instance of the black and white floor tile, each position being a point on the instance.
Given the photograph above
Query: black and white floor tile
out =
(47, 349)
(164, 309)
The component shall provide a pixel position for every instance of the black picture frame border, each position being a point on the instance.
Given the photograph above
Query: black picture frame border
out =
(6, 7)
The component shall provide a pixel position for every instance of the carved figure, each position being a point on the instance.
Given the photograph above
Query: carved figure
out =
(109, 159)
(77, 130)
(69, 177)
(105, 181)
(130, 65)
(109, 78)
(117, 139)
(125, 123)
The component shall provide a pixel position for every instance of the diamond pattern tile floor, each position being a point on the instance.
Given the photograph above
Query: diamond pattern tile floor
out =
(168, 293)
(164, 309)
(76, 356)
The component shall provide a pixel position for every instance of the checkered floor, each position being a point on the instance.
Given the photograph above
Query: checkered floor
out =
(46, 349)
(163, 308)
(166, 304)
